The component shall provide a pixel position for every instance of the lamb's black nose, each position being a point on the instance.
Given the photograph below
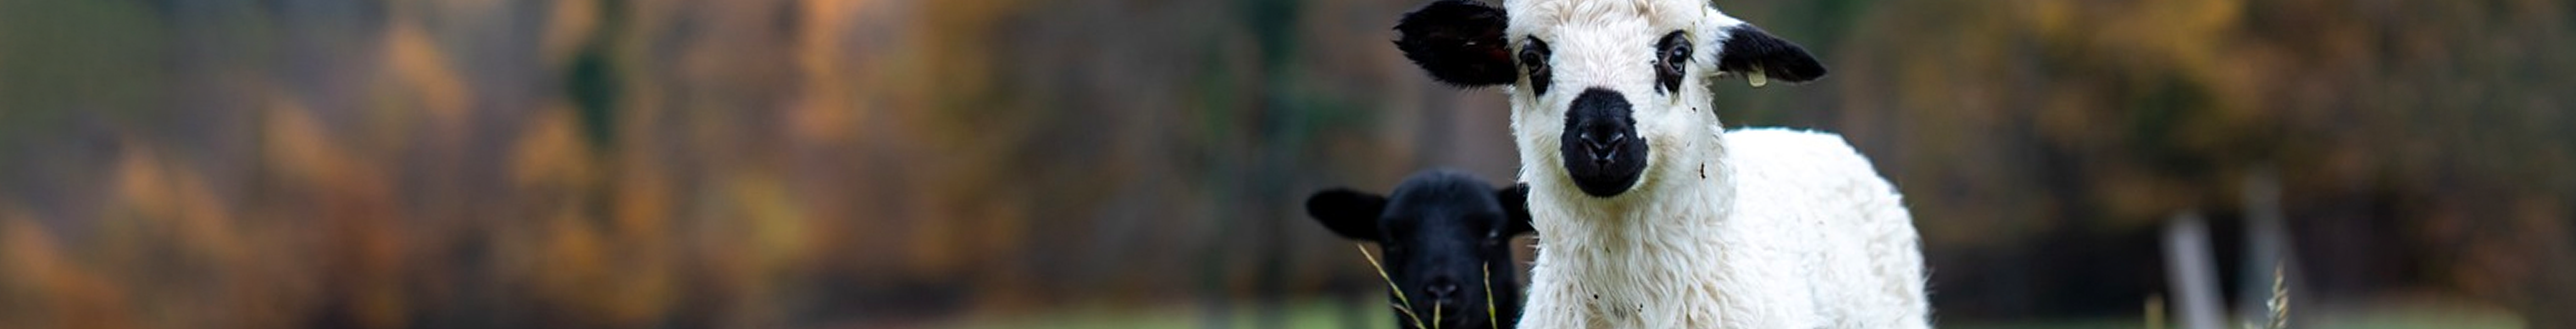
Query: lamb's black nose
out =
(1441, 289)
(1601, 125)
(1601, 148)
(1604, 144)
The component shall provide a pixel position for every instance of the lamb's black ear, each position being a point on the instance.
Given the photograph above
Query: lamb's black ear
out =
(1352, 214)
(1516, 215)
(1460, 42)
(1748, 50)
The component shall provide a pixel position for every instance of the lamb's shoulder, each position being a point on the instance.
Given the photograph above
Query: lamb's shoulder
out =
(1842, 223)
(1787, 187)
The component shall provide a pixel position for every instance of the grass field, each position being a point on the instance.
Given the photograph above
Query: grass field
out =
(1333, 314)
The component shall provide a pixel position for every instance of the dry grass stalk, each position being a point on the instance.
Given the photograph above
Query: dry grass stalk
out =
(2155, 311)
(1490, 318)
(2280, 303)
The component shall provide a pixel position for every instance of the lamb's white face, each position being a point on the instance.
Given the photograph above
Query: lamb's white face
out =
(1604, 83)
(1599, 87)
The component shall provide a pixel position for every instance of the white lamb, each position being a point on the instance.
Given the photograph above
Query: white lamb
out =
(1649, 213)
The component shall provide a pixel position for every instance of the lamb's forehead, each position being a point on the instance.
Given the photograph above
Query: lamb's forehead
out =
(1533, 16)
(1443, 188)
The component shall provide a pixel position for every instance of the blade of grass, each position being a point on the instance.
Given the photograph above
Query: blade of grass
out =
(1491, 320)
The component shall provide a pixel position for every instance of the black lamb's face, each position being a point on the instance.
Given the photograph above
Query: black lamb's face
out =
(1445, 238)
(1597, 87)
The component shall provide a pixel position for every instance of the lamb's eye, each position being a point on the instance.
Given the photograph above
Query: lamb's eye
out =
(1672, 57)
(1533, 60)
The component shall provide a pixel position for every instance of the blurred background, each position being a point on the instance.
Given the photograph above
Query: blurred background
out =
(1141, 163)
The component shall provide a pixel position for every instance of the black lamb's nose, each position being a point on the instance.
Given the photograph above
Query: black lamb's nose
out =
(1442, 290)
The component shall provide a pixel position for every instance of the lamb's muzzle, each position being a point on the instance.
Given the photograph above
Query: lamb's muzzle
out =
(1602, 151)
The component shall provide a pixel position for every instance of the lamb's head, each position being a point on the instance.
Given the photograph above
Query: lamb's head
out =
(1599, 87)
(1446, 236)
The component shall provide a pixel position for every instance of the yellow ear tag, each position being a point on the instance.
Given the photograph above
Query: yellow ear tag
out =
(1757, 79)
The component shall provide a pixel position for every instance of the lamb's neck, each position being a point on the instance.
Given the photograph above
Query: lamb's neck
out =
(1641, 259)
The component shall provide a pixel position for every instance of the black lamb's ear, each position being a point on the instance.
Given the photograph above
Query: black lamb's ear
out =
(1516, 215)
(1460, 42)
(1748, 50)
(1351, 214)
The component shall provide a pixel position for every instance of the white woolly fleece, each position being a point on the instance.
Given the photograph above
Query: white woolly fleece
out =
(1790, 229)
(1753, 228)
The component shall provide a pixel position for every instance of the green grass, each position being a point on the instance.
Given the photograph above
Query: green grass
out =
(2424, 317)
(1328, 313)
(2408, 318)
